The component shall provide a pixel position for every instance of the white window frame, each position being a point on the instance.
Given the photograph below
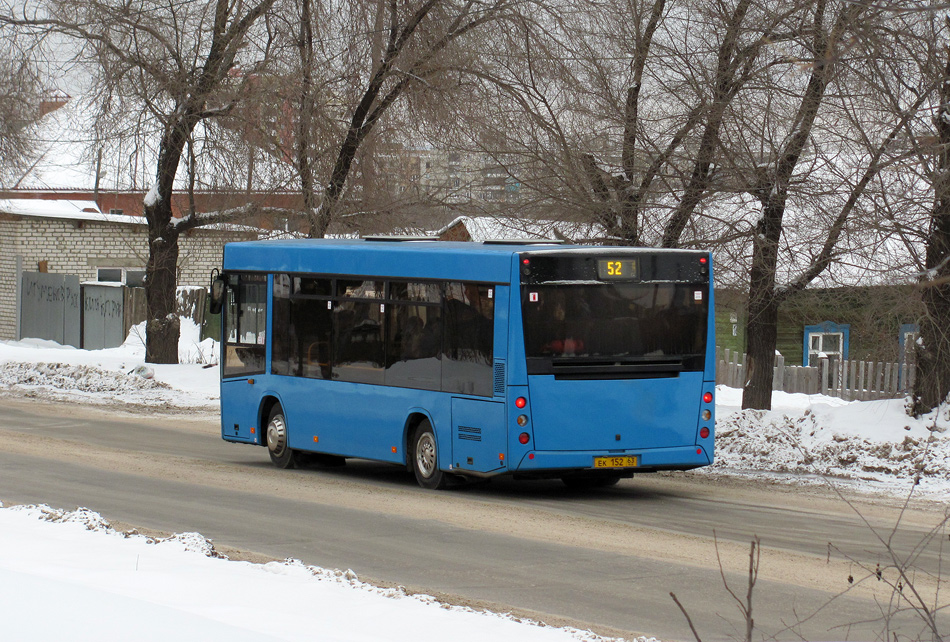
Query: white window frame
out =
(123, 274)
(814, 353)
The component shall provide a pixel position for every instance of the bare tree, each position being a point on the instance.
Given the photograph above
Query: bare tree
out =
(613, 111)
(171, 65)
(932, 385)
(417, 39)
(771, 186)
(897, 78)
(20, 104)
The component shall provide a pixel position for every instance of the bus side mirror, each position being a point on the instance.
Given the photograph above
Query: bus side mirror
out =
(217, 295)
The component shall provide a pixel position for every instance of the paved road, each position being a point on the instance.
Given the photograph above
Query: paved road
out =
(606, 559)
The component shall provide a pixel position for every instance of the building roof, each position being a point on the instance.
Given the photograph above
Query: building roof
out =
(64, 209)
(487, 228)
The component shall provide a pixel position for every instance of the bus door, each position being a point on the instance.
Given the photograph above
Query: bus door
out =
(479, 436)
(239, 411)
(245, 314)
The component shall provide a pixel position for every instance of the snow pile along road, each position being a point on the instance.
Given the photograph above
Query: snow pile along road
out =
(71, 576)
(50, 377)
(39, 368)
(870, 441)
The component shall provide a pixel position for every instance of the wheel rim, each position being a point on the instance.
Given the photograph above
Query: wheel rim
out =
(277, 435)
(425, 455)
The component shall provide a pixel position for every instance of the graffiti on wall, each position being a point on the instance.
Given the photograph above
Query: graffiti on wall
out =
(50, 308)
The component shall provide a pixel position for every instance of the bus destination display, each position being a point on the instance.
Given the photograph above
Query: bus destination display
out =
(611, 269)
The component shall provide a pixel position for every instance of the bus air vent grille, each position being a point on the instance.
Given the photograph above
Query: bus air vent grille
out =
(499, 377)
(470, 433)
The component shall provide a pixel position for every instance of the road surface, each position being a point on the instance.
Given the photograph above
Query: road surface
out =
(606, 559)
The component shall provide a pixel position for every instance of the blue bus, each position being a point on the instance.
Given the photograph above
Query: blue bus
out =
(469, 360)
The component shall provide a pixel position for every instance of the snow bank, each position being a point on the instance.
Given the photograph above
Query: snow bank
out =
(71, 576)
(812, 435)
(37, 367)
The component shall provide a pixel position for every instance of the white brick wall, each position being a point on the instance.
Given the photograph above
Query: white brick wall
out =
(74, 247)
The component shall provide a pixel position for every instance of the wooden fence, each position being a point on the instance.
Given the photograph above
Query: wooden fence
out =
(851, 380)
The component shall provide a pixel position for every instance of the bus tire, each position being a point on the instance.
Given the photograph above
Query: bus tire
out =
(275, 434)
(425, 458)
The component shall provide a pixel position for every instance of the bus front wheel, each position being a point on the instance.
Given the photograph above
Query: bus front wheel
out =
(276, 435)
(425, 458)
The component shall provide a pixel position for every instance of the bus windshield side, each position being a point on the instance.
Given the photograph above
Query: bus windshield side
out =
(615, 322)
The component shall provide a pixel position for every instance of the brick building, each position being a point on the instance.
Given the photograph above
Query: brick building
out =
(74, 237)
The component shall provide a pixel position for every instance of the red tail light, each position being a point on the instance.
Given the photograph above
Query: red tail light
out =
(521, 402)
(524, 438)
(704, 432)
(708, 397)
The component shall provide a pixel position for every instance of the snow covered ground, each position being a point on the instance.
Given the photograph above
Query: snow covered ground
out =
(868, 446)
(106, 584)
(68, 576)
(38, 368)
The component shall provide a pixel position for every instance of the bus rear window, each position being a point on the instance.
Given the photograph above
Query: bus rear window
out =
(621, 321)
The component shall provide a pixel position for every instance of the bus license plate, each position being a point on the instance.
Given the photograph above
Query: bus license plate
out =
(615, 462)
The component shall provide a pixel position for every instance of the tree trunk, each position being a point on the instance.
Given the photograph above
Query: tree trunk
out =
(761, 326)
(304, 142)
(163, 328)
(932, 384)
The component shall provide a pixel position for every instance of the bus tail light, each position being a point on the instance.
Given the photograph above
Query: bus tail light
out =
(704, 432)
(524, 438)
(708, 397)
(521, 402)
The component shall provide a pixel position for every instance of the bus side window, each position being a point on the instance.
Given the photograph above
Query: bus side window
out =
(302, 326)
(358, 348)
(283, 341)
(245, 325)
(469, 338)
(414, 336)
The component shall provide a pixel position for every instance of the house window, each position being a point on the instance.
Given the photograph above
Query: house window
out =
(132, 277)
(825, 345)
(907, 338)
(826, 340)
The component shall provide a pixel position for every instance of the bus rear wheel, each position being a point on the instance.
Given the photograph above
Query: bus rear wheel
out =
(425, 458)
(281, 454)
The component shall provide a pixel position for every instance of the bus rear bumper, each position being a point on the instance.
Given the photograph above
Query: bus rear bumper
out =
(652, 460)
